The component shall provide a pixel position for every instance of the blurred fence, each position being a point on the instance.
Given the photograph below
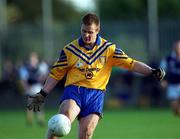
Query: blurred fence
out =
(131, 36)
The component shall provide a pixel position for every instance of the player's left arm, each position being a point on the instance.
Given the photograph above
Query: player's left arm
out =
(143, 68)
(122, 60)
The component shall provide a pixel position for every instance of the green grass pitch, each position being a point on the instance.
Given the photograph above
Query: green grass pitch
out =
(123, 124)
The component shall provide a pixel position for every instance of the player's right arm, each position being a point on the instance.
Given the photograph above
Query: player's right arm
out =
(58, 70)
(50, 83)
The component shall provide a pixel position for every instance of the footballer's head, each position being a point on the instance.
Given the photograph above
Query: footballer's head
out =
(90, 27)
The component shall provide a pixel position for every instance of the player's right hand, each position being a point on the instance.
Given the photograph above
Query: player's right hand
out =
(35, 101)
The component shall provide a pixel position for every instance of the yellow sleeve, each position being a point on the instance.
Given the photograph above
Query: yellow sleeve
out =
(120, 59)
(60, 67)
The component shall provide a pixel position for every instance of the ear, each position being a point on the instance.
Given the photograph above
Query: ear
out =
(98, 29)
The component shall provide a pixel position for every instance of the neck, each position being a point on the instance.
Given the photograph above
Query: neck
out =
(90, 44)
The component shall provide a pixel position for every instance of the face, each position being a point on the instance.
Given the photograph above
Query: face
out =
(89, 33)
(34, 60)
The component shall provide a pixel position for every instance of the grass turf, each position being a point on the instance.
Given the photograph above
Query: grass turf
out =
(125, 124)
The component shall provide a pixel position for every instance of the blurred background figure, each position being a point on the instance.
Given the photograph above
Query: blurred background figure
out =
(32, 76)
(9, 71)
(172, 65)
(9, 86)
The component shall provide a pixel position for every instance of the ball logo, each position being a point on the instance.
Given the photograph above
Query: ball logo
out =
(79, 64)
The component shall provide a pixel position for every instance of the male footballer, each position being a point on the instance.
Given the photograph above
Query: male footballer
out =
(171, 65)
(87, 61)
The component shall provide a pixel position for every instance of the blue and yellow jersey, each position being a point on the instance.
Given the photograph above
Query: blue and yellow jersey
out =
(89, 68)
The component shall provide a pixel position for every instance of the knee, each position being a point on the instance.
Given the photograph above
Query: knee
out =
(86, 132)
(65, 112)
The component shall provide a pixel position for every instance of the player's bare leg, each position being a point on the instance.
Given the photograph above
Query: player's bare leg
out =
(29, 116)
(87, 126)
(40, 118)
(179, 107)
(70, 109)
(175, 104)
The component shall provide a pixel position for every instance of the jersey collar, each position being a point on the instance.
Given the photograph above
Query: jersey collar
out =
(97, 42)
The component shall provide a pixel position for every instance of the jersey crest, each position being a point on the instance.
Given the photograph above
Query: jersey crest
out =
(79, 64)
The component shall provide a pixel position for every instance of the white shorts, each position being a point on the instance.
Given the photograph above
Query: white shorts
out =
(35, 88)
(173, 92)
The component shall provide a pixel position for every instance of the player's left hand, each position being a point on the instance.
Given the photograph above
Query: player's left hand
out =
(35, 102)
(158, 73)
